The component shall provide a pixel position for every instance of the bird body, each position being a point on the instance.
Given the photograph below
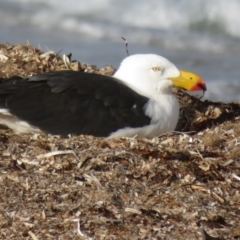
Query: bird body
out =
(136, 101)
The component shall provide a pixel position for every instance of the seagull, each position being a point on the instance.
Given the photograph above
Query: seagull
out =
(137, 101)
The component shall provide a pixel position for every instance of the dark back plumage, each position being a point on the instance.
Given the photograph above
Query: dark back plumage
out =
(69, 102)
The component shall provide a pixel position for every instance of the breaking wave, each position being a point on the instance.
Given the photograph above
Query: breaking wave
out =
(168, 23)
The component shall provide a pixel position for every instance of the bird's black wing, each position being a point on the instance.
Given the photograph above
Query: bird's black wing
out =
(69, 102)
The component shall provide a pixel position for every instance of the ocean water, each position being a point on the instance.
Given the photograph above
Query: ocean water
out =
(200, 35)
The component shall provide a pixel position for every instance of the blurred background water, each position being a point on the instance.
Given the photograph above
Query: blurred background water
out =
(200, 35)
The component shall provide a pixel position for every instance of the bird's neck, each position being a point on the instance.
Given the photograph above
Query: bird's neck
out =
(146, 88)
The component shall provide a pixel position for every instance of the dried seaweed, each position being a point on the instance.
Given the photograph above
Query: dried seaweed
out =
(177, 186)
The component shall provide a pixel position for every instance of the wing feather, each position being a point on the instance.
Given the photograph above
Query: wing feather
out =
(69, 102)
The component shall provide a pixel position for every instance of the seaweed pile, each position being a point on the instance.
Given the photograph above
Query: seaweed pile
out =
(182, 185)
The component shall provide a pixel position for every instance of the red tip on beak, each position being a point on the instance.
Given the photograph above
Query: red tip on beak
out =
(200, 86)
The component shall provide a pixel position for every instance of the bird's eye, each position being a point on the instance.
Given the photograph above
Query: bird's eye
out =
(156, 69)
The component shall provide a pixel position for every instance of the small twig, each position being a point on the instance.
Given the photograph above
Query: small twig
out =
(200, 155)
(91, 177)
(235, 176)
(78, 227)
(67, 60)
(126, 44)
(204, 237)
(54, 153)
(32, 235)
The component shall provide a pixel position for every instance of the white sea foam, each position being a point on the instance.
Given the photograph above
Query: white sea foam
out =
(168, 23)
(215, 15)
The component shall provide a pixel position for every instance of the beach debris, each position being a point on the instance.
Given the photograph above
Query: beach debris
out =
(181, 185)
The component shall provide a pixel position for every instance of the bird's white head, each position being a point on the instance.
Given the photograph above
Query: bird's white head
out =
(145, 72)
(150, 74)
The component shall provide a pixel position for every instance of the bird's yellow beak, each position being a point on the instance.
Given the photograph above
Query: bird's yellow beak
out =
(189, 81)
